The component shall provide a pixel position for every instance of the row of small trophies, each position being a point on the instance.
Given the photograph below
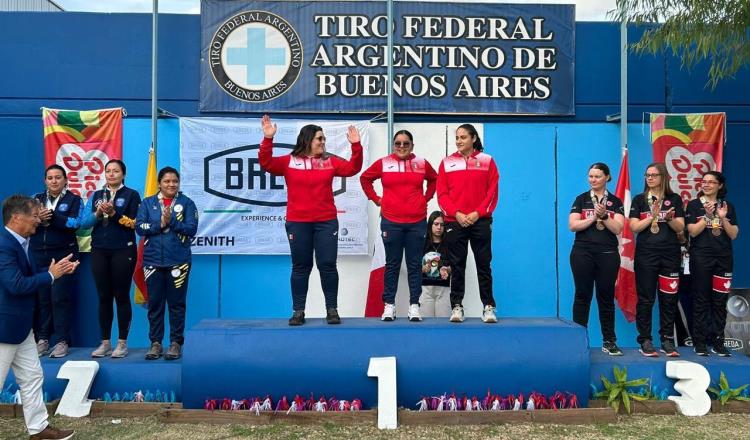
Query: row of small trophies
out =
(258, 405)
(496, 402)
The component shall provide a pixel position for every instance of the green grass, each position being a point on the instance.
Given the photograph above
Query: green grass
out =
(712, 426)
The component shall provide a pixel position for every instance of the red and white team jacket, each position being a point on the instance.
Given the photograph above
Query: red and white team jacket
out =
(404, 197)
(467, 185)
(309, 180)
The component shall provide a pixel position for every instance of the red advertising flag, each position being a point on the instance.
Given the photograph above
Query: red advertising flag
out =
(625, 287)
(689, 145)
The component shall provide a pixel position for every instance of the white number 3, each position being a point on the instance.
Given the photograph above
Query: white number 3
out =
(692, 383)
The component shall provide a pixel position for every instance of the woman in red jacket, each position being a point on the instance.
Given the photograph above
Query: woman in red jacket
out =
(403, 209)
(311, 222)
(467, 189)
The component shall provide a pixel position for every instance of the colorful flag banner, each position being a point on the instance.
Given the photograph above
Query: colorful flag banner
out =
(82, 142)
(689, 144)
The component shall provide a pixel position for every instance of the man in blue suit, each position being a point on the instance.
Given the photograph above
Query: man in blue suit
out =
(19, 282)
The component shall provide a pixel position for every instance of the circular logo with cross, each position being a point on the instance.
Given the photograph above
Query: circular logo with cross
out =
(255, 56)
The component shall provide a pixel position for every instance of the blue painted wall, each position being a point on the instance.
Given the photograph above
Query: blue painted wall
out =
(88, 61)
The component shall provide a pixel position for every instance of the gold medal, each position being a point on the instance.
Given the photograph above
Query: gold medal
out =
(654, 227)
(600, 224)
(716, 226)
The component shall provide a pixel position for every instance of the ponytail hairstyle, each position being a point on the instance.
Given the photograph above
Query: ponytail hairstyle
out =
(473, 132)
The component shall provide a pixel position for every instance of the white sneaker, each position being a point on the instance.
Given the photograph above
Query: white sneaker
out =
(458, 314)
(389, 312)
(488, 315)
(104, 349)
(121, 350)
(414, 313)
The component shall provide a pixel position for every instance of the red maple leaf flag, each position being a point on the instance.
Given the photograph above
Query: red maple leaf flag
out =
(625, 287)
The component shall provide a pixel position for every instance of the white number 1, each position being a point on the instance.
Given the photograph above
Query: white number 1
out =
(384, 368)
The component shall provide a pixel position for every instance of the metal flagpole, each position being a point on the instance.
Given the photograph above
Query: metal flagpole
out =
(390, 72)
(154, 58)
(624, 83)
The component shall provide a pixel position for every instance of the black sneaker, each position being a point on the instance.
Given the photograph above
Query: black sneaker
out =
(298, 318)
(611, 348)
(647, 349)
(668, 348)
(701, 350)
(720, 349)
(332, 316)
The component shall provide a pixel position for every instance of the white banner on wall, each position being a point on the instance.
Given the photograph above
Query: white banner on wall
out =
(242, 207)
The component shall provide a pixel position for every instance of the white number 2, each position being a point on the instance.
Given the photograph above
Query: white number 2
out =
(75, 400)
(384, 368)
(692, 385)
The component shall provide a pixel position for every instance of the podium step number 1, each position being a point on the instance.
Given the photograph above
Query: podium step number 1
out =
(384, 368)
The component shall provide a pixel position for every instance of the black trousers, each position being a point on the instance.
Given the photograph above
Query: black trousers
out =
(709, 304)
(167, 286)
(649, 267)
(54, 302)
(457, 239)
(113, 274)
(593, 268)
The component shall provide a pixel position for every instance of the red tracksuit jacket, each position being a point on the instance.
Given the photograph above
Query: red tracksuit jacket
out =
(309, 180)
(404, 198)
(467, 185)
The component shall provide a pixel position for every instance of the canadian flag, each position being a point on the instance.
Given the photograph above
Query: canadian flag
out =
(625, 287)
(374, 305)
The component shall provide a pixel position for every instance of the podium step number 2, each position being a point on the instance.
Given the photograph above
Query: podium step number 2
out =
(75, 400)
(384, 368)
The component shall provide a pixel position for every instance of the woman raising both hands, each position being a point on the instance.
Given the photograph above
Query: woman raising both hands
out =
(311, 222)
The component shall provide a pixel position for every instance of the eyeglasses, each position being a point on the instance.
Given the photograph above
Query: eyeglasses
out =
(406, 144)
(652, 176)
(709, 182)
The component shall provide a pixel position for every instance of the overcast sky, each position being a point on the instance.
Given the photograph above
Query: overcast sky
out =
(586, 10)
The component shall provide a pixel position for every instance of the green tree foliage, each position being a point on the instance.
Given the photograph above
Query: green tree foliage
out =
(695, 30)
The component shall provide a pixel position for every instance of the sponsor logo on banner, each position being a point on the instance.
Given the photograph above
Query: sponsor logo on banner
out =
(235, 174)
(255, 56)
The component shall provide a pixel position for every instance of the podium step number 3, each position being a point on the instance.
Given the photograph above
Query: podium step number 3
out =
(384, 368)
(692, 382)
(75, 400)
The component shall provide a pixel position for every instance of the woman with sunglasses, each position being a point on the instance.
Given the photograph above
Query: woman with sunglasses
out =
(658, 219)
(596, 217)
(311, 218)
(712, 225)
(403, 209)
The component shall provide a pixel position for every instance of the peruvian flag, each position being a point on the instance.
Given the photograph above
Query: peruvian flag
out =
(625, 287)
(374, 305)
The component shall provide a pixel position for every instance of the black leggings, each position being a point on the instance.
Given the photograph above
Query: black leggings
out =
(113, 273)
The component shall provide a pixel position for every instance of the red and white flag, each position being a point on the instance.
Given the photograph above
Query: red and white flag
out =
(374, 305)
(625, 288)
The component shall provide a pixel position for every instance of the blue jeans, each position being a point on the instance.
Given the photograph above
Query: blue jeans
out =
(322, 238)
(398, 237)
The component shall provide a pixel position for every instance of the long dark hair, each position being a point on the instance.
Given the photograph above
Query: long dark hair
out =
(722, 192)
(305, 138)
(430, 220)
(473, 132)
(664, 179)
